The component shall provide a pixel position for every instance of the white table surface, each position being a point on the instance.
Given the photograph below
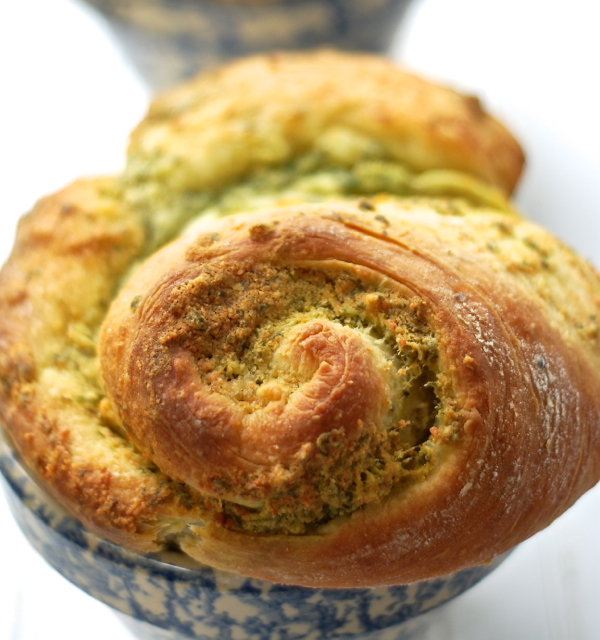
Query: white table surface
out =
(67, 102)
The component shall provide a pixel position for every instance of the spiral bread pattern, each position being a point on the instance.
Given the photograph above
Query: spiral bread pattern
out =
(304, 336)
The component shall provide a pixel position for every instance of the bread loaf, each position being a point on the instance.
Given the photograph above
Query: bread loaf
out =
(304, 336)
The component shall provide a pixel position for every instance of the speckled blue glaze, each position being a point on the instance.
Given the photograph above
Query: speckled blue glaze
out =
(169, 40)
(169, 597)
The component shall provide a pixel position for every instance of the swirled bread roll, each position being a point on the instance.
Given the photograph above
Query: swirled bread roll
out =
(304, 337)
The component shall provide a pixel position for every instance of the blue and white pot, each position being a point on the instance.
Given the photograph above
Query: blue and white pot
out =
(170, 40)
(169, 597)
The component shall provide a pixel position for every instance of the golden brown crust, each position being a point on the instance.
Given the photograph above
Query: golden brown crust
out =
(293, 103)
(53, 292)
(361, 391)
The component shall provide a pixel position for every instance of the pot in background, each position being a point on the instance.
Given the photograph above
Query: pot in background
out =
(170, 40)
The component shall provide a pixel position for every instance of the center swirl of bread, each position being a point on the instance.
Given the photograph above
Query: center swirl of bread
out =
(289, 391)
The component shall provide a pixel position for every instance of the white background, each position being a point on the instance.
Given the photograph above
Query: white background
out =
(67, 102)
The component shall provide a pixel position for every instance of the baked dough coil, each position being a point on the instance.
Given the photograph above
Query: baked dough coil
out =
(315, 382)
